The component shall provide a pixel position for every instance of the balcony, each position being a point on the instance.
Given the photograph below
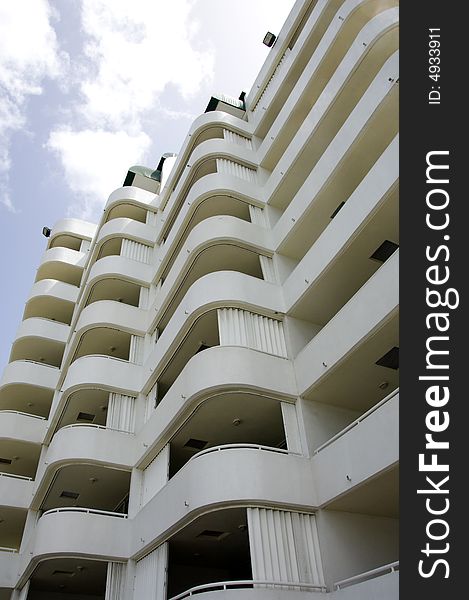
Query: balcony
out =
(71, 577)
(12, 520)
(335, 269)
(40, 340)
(210, 157)
(373, 313)
(28, 386)
(129, 202)
(334, 79)
(345, 462)
(207, 374)
(51, 299)
(363, 137)
(70, 233)
(86, 466)
(62, 264)
(216, 244)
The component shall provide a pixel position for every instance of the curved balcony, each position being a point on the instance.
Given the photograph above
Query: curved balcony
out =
(229, 590)
(365, 134)
(336, 94)
(17, 425)
(9, 565)
(125, 227)
(215, 290)
(202, 163)
(96, 324)
(119, 267)
(350, 345)
(130, 202)
(105, 313)
(51, 299)
(62, 264)
(16, 491)
(204, 127)
(80, 532)
(69, 233)
(213, 372)
(75, 445)
(39, 339)
(212, 195)
(216, 244)
(234, 477)
(102, 372)
(28, 387)
(19, 457)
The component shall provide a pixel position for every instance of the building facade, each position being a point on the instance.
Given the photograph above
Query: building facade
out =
(202, 397)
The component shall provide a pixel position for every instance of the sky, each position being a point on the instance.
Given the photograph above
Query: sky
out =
(91, 87)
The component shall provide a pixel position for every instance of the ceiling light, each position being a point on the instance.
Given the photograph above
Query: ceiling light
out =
(112, 349)
(93, 479)
(236, 422)
(383, 385)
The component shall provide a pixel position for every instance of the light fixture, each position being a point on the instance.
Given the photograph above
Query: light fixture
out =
(383, 385)
(269, 39)
(46, 231)
(112, 349)
(236, 422)
(93, 479)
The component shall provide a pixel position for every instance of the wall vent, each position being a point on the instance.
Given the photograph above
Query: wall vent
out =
(383, 252)
(213, 534)
(72, 495)
(83, 416)
(390, 359)
(195, 444)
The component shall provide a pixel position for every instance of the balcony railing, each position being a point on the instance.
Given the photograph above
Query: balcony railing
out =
(96, 426)
(226, 585)
(241, 446)
(357, 421)
(390, 568)
(90, 511)
(2, 474)
(19, 412)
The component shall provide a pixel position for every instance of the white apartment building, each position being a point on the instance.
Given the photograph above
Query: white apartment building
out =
(202, 397)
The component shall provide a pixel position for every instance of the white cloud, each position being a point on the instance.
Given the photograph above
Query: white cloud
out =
(28, 54)
(95, 163)
(137, 48)
(131, 52)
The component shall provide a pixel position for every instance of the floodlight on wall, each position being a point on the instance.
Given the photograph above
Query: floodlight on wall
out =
(46, 231)
(269, 39)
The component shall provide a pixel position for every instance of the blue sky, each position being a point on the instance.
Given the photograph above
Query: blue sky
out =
(90, 87)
